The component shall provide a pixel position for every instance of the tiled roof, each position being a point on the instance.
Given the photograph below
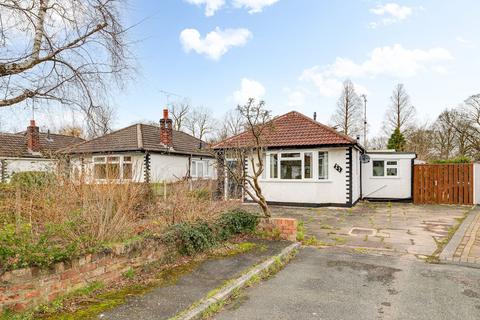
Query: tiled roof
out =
(289, 130)
(15, 144)
(139, 137)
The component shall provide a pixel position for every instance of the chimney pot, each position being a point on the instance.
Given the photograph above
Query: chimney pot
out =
(315, 116)
(165, 113)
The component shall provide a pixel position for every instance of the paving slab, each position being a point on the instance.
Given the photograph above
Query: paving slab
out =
(165, 302)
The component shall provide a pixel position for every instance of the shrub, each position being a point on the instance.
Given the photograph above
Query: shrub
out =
(32, 179)
(20, 247)
(192, 238)
(454, 160)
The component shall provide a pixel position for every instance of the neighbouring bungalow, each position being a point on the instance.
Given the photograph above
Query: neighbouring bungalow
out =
(142, 153)
(310, 164)
(31, 150)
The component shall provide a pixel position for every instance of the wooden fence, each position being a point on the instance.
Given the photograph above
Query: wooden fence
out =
(443, 184)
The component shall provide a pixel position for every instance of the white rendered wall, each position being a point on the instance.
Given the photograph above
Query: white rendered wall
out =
(399, 187)
(314, 191)
(14, 165)
(174, 167)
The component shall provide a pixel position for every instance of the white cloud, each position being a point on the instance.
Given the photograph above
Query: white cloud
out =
(216, 43)
(466, 42)
(253, 6)
(394, 61)
(249, 89)
(211, 6)
(390, 13)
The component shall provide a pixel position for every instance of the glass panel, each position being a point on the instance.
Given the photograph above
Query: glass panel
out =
(99, 159)
(391, 163)
(194, 168)
(274, 166)
(127, 171)
(100, 171)
(378, 168)
(127, 159)
(307, 162)
(323, 165)
(290, 155)
(200, 169)
(392, 172)
(113, 159)
(113, 171)
(291, 169)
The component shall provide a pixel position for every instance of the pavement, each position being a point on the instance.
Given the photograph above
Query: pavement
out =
(332, 284)
(402, 228)
(464, 247)
(166, 301)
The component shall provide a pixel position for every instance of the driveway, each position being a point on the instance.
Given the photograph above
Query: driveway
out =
(328, 284)
(399, 228)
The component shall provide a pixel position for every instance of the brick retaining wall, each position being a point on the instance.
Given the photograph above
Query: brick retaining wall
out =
(25, 288)
(287, 227)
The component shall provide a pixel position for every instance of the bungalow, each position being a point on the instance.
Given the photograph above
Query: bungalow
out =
(310, 164)
(31, 150)
(142, 153)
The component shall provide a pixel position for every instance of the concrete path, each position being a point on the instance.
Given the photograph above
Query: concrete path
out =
(464, 247)
(167, 301)
(402, 228)
(324, 284)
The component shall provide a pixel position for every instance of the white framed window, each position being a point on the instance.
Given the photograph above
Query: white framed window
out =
(297, 165)
(200, 169)
(322, 165)
(382, 168)
(112, 167)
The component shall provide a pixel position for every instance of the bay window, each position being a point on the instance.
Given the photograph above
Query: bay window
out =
(112, 167)
(297, 165)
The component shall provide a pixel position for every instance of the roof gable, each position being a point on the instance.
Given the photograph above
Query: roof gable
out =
(289, 130)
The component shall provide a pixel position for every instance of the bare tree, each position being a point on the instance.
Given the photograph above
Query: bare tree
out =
(200, 123)
(378, 143)
(179, 112)
(401, 113)
(444, 135)
(100, 121)
(348, 114)
(231, 125)
(419, 140)
(248, 153)
(73, 131)
(67, 51)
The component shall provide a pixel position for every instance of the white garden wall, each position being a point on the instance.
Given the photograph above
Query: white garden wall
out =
(13, 165)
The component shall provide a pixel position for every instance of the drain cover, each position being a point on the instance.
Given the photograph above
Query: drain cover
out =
(357, 231)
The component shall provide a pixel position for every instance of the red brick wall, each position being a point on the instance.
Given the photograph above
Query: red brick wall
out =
(287, 227)
(25, 288)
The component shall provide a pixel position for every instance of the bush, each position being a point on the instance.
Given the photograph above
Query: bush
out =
(20, 247)
(192, 238)
(32, 179)
(454, 160)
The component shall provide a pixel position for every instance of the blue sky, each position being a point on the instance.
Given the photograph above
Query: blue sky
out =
(295, 53)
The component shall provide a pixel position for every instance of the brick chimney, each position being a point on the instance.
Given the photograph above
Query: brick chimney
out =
(33, 137)
(166, 126)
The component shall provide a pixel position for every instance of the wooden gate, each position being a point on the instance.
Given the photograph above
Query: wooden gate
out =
(443, 183)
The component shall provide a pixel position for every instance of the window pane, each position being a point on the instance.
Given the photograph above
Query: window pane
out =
(392, 172)
(291, 169)
(307, 165)
(99, 159)
(127, 159)
(113, 159)
(391, 163)
(127, 171)
(100, 171)
(113, 171)
(274, 166)
(378, 168)
(290, 155)
(200, 169)
(194, 168)
(323, 165)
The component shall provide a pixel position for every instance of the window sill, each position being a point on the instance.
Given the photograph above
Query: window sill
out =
(295, 180)
(385, 177)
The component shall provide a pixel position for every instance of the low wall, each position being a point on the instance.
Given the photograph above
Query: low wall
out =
(286, 227)
(26, 288)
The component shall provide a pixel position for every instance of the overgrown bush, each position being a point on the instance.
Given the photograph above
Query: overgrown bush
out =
(192, 238)
(20, 247)
(32, 179)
